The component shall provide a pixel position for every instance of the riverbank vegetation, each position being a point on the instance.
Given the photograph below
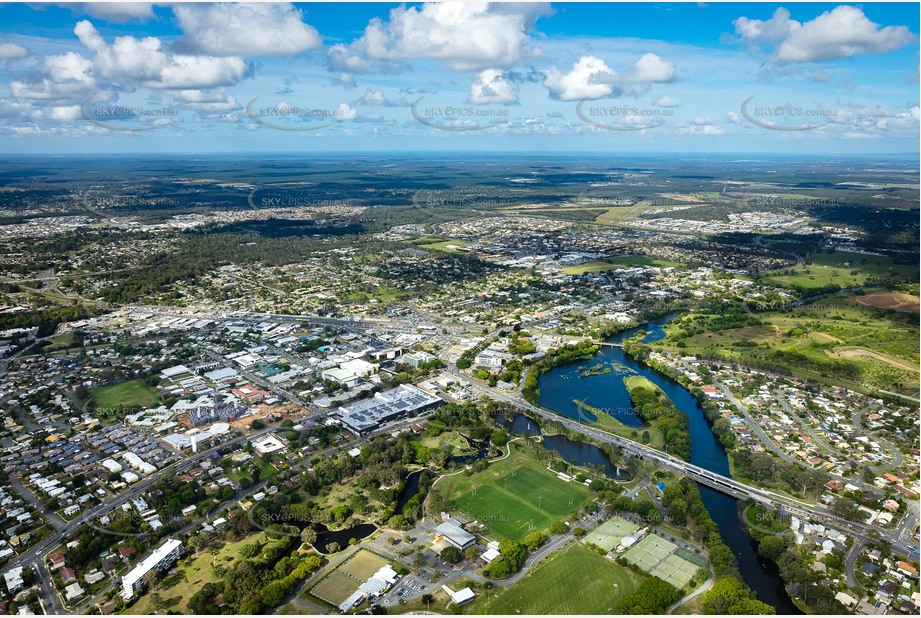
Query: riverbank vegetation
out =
(652, 406)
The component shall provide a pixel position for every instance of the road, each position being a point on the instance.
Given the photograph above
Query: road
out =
(32, 499)
(856, 419)
(37, 551)
(721, 483)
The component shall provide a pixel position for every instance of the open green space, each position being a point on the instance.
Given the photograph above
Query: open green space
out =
(455, 245)
(514, 496)
(613, 263)
(841, 269)
(610, 423)
(131, 394)
(573, 581)
(453, 439)
(341, 582)
(835, 340)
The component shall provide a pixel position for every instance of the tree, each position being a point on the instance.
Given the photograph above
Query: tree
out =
(274, 593)
(308, 535)
(332, 548)
(578, 531)
(450, 554)
(731, 596)
(257, 424)
(535, 539)
(771, 547)
(559, 527)
(427, 598)
(471, 554)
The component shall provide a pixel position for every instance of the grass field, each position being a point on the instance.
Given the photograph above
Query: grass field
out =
(345, 579)
(608, 535)
(514, 496)
(613, 263)
(132, 394)
(573, 581)
(842, 269)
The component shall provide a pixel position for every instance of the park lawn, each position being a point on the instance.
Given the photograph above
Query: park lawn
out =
(455, 440)
(192, 575)
(840, 268)
(514, 496)
(131, 394)
(575, 580)
(609, 423)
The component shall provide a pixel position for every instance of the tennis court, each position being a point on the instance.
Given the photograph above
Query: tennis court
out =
(691, 557)
(608, 535)
(676, 571)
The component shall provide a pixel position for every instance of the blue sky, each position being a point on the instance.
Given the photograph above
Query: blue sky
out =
(534, 77)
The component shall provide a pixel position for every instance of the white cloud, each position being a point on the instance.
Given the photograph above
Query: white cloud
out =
(118, 12)
(590, 78)
(667, 101)
(12, 51)
(650, 68)
(207, 101)
(64, 77)
(841, 33)
(345, 112)
(465, 36)
(490, 86)
(229, 29)
(70, 112)
(755, 31)
(144, 60)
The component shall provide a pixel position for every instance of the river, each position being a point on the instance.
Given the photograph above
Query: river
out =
(561, 385)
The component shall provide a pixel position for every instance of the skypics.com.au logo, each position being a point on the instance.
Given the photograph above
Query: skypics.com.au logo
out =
(786, 117)
(622, 117)
(128, 118)
(457, 118)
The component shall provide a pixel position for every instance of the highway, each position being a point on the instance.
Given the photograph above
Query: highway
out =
(899, 538)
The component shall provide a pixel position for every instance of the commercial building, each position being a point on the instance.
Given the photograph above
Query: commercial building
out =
(161, 559)
(452, 533)
(400, 402)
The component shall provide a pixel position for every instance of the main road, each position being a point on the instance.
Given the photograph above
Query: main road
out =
(899, 538)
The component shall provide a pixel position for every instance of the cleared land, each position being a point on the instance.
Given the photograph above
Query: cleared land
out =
(608, 535)
(895, 301)
(574, 581)
(131, 394)
(514, 496)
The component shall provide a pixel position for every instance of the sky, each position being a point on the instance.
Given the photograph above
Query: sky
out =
(783, 78)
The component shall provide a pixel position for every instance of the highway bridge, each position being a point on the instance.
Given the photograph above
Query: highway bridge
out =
(706, 477)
